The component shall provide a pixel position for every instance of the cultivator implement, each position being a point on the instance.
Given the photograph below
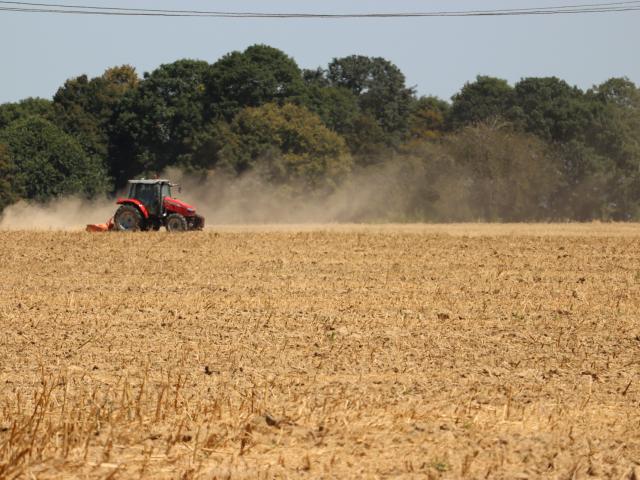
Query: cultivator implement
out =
(100, 227)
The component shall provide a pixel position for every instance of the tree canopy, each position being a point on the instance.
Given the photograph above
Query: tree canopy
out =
(539, 149)
(380, 88)
(485, 99)
(46, 162)
(551, 109)
(8, 195)
(285, 144)
(10, 112)
(259, 75)
(155, 123)
(85, 107)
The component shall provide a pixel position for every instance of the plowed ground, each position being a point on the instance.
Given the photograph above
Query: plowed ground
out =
(453, 352)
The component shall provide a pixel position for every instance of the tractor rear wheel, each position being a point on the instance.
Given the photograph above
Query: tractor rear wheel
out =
(176, 223)
(128, 218)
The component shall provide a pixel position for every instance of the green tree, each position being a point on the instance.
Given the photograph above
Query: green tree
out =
(588, 183)
(252, 78)
(367, 142)
(615, 134)
(552, 109)
(10, 112)
(421, 182)
(486, 98)
(428, 118)
(85, 108)
(380, 88)
(213, 148)
(48, 162)
(514, 176)
(286, 145)
(596, 138)
(616, 128)
(157, 122)
(7, 174)
(337, 107)
(316, 77)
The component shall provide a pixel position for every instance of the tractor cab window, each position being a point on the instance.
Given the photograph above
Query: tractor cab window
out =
(145, 192)
(165, 190)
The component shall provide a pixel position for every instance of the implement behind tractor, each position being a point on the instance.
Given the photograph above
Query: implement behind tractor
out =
(150, 206)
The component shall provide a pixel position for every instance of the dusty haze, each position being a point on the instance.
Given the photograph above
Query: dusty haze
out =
(68, 213)
(374, 195)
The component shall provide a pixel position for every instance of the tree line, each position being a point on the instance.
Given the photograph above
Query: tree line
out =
(537, 150)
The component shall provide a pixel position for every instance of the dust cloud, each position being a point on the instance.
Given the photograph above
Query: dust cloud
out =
(249, 199)
(372, 195)
(68, 213)
(375, 195)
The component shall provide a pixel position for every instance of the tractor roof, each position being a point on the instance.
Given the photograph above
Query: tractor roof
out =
(151, 181)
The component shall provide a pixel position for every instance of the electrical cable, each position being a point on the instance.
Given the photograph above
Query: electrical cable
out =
(57, 8)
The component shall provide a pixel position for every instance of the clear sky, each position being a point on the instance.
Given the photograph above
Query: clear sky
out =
(38, 52)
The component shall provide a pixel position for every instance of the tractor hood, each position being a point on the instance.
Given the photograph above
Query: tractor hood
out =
(178, 206)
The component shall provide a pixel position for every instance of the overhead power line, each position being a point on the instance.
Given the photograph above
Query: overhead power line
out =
(72, 9)
(209, 12)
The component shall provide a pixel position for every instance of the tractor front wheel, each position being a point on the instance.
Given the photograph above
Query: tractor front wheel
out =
(176, 223)
(128, 218)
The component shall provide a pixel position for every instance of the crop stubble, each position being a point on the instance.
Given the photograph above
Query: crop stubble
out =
(335, 352)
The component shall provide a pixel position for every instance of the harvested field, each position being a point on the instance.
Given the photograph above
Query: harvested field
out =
(364, 352)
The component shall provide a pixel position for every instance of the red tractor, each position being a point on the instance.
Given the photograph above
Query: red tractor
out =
(150, 206)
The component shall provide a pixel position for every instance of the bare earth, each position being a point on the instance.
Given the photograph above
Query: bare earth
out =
(462, 351)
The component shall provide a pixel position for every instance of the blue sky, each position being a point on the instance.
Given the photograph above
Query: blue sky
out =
(38, 52)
